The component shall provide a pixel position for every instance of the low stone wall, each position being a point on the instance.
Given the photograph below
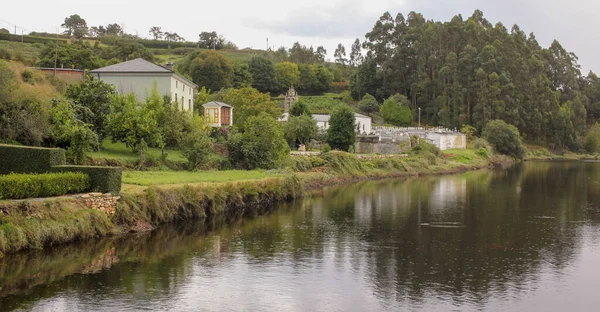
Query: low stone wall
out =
(372, 145)
(106, 203)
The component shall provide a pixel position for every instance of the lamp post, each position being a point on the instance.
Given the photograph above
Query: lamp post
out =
(419, 118)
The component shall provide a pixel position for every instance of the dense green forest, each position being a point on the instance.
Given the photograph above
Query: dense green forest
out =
(471, 71)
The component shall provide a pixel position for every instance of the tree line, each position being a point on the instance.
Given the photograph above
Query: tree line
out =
(470, 71)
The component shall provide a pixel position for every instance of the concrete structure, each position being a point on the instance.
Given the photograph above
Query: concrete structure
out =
(443, 138)
(372, 144)
(67, 75)
(218, 114)
(363, 123)
(139, 76)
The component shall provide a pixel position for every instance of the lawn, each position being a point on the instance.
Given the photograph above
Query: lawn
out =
(147, 178)
(463, 156)
(118, 150)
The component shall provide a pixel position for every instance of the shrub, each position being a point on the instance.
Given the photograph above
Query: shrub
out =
(5, 54)
(24, 159)
(469, 131)
(483, 152)
(27, 76)
(591, 143)
(197, 147)
(395, 110)
(505, 138)
(101, 179)
(262, 144)
(326, 148)
(368, 104)
(19, 185)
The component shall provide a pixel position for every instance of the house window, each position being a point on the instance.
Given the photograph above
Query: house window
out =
(183, 88)
(182, 102)
(175, 98)
(212, 115)
(190, 91)
(176, 84)
(189, 103)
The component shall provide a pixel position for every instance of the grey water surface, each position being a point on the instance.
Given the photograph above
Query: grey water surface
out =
(522, 239)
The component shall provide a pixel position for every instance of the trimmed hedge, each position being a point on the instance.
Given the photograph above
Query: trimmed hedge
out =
(102, 179)
(25, 159)
(30, 39)
(18, 186)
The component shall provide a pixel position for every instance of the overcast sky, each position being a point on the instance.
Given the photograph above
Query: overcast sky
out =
(312, 22)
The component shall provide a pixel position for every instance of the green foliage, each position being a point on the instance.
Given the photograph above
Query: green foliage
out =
(340, 135)
(101, 179)
(482, 152)
(262, 144)
(368, 104)
(27, 76)
(300, 128)
(505, 138)
(287, 75)
(395, 111)
(75, 25)
(300, 108)
(208, 69)
(591, 142)
(79, 55)
(92, 99)
(197, 147)
(322, 104)
(263, 74)
(17, 186)
(469, 131)
(247, 102)
(5, 54)
(242, 78)
(70, 132)
(134, 123)
(25, 159)
(325, 148)
(23, 118)
(422, 147)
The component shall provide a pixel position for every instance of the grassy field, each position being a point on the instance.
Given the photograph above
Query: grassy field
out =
(147, 178)
(26, 52)
(119, 151)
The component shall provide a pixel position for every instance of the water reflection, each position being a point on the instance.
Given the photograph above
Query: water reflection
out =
(510, 239)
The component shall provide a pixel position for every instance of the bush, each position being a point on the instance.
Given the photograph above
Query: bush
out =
(101, 179)
(197, 147)
(368, 104)
(395, 111)
(27, 76)
(505, 138)
(5, 54)
(25, 159)
(483, 152)
(591, 143)
(18, 186)
(262, 144)
(469, 131)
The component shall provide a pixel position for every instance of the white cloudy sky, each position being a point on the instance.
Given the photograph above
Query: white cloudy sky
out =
(312, 22)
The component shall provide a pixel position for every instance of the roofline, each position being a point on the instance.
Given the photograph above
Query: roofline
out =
(57, 69)
(185, 79)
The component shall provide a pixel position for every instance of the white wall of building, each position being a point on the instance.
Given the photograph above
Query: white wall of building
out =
(183, 91)
(365, 124)
(141, 85)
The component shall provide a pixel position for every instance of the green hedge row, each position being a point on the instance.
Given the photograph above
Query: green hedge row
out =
(102, 179)
(30, 39)
(25, 159)
(17, 186)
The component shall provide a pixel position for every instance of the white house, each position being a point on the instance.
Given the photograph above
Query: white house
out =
(362, 122)
(218, 114)
(139, 77)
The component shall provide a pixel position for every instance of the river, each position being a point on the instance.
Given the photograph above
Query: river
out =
(522, 239)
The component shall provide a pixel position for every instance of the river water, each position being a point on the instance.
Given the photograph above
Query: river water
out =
(522, 239)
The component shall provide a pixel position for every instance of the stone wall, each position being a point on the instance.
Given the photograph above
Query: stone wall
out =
(371, 144)
(106, 203)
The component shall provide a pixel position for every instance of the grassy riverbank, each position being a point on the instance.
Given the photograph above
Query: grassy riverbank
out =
(162, 197)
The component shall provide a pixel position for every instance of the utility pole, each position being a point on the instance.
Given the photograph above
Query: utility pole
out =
(419, 118)
(21, 36)
(267, 44)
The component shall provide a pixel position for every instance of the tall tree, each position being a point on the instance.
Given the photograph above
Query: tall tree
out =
(263, 73)
(156, 32)
(355, 54)
(340, 54)
(75, 25)
(341, 135)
